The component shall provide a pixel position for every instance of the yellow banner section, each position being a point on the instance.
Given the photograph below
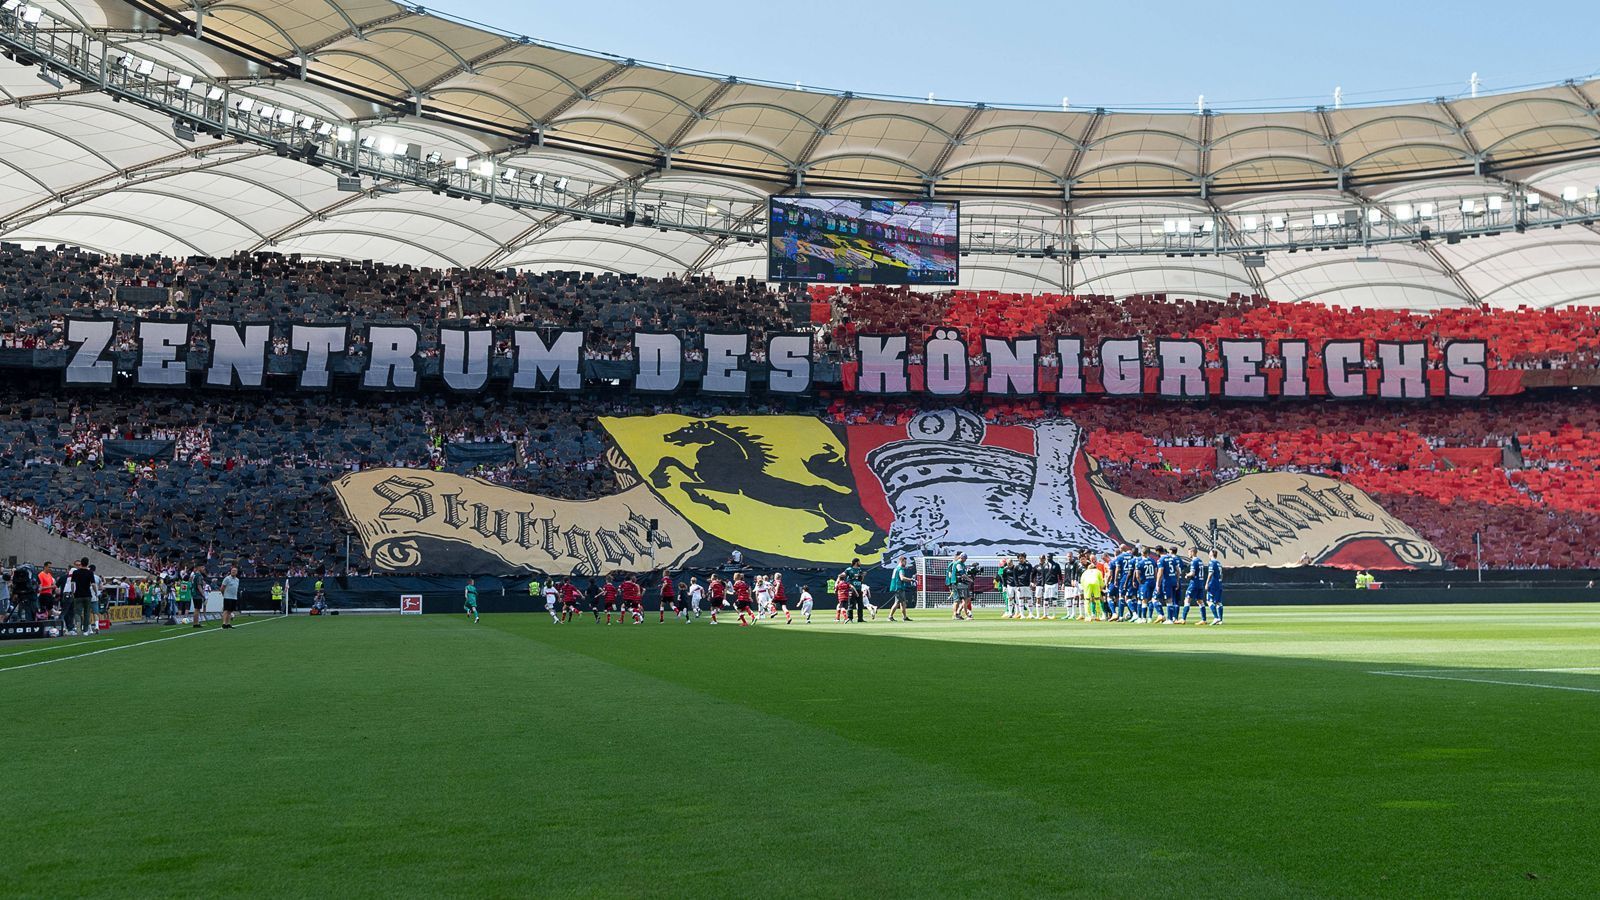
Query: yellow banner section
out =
(420, 521)
(1268, 519)
(777, 485)
(125, 612)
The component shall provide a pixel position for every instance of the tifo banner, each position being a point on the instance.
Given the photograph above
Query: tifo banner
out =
(1272, 519)
(421, 521)
(796, 491)
(396, 357)
(776, 485)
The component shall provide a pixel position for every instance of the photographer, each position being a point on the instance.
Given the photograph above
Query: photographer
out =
(22, 595)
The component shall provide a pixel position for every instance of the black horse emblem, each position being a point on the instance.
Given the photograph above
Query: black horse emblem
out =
(732, 460)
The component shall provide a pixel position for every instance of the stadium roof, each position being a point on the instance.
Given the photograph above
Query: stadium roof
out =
(110, 175)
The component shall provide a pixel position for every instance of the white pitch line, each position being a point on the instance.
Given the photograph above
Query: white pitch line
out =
(1553, 687)
(56, 647)
(46, 662)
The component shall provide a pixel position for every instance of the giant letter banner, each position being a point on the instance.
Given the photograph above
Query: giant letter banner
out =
(795, 491)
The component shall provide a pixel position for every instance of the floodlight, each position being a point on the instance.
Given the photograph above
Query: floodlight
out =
(266, 110)
(346, 134)
(385, 145)
(11, 5)
(306, 123)
(1319, 220)
(536, 179)
(1533, 200)
(369, 142)
(325, 129)
(185, 83)
(485, 168)
(561, 184)
(145, 67)
(1248, 223)
(31, 14)
(1169, 226)
(461, 163)
(1374, 215)
(1569, 194)
(1277, 223)
(285, 116)
(1468, 205)
(215, 93)
(244, 104)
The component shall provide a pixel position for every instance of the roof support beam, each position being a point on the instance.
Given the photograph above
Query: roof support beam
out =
(950, 146)
(1445, 268)
(1462, 133)
(682, 131)
(1544, 196)
(1226, 224)
(357, 31)
(584, 92)
(466, 68)
(803, 158)
(1070, 174)
(551, 220)
(716, 246)
(1332, 143)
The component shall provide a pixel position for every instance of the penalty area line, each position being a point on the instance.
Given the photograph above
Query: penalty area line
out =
(1529, 684)
(46, 662)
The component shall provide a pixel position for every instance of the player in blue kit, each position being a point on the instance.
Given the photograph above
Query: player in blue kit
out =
(1194, 586)
(1118, 585)
(1148, 576)
(1214, 588)
(1171, 572)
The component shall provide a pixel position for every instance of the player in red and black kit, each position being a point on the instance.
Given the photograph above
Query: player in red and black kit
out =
(608, 597)
(718, 591)
(633, 599)
(679, 597)
(669, 596)
(741, 599)
(570, 595)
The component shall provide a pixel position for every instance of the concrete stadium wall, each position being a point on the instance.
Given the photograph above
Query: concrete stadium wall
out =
(32, 544)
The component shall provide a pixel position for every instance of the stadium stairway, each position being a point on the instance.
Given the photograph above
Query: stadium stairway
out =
(23, 540)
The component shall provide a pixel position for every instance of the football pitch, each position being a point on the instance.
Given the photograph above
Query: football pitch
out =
(1399, 751)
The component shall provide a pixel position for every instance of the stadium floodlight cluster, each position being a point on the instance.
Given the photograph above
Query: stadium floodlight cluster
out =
(198, 105)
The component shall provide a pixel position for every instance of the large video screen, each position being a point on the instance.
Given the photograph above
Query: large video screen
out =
(835, 240)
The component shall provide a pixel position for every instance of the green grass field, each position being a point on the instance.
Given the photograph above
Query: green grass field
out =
(1376, 751)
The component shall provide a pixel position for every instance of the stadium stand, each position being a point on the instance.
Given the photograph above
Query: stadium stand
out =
(240, 469)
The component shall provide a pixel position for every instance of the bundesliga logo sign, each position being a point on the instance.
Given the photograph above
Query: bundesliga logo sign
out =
(391, 358)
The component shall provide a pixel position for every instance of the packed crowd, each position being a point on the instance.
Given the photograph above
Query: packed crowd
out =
(1518, 339)
(258, 466)
(40, 288)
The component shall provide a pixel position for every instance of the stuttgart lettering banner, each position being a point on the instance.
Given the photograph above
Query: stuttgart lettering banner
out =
(307, 356)
(795, 491)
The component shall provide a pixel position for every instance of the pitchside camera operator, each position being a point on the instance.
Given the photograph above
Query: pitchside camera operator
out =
(24, 600)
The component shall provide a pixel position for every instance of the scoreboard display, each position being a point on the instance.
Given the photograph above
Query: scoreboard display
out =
(851, 240)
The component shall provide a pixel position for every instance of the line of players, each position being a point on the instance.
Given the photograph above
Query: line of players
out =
(1149, 585)
(765, 597)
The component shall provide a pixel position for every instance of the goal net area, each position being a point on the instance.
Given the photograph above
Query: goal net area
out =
(933, 570)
